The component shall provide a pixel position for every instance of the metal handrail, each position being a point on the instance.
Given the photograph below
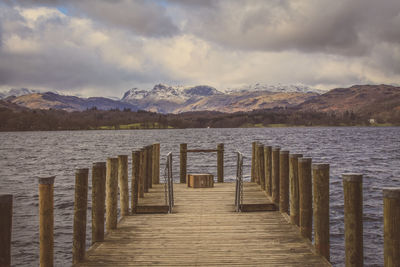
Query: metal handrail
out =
(169, 183)
(239, 183)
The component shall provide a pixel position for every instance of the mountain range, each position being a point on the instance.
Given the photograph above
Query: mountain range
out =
(364, 99)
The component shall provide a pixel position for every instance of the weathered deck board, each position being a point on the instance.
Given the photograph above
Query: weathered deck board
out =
(204, 230)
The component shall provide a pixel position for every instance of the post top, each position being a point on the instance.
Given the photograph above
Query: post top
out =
(391, 192)
(268, 147)
(46, 180)
(122, 156)
(6, 198)
(305, 160)
(352, 177)
(276, 148)
(99, 164)
(295, 155)
(320, 166)
(112, 159)
(284, 152)
(82, 171)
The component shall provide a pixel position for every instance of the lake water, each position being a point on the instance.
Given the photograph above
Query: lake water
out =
(24, 156)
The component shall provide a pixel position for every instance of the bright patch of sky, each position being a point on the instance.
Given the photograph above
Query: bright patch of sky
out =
(63, 10)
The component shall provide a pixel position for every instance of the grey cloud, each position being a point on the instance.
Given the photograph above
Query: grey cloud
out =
(27, 3)
(62, 70)
(67, 71)
(1, 35)
(335, 27)
(195, 3)
(141, 17)
(386, 57)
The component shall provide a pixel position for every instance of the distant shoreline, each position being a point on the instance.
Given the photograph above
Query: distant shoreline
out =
(246, 127)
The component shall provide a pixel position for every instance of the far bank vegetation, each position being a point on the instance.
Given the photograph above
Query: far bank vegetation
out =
(93, 119)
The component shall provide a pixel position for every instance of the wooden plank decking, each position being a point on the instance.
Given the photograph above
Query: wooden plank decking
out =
(204, 230)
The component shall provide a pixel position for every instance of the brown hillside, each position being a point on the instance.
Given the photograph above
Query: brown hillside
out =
(51, 100)
(361, 99)
(247, 101)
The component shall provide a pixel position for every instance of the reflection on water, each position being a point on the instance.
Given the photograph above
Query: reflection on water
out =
(24, 156)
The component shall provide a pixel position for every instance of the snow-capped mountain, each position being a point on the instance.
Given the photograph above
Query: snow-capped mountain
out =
(134, 94)
(177, 94)
(279, 88)
(17, 92)
(175, 99)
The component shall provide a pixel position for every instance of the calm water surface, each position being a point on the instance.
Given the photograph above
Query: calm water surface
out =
(24, 156)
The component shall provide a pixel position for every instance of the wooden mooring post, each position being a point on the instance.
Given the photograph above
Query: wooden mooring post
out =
(112, 194)
(6, 213)
(98, 200)
(142, 168)
(80, 210)
(46, 221)
(305, 196)
(123, 184)
(150, 166)
(275, 175)
(268, 169)
(135, 180)
(320, 174)
(156, 163)
(261, 166)
(253, 161)
(391, 228)
(284, 181)
(220, 163)
(294, 188)
(353, 219)
(183, 163)
(145, 163)
(256, 164)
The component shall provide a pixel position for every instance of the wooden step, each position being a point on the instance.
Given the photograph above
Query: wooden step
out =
(152, 209)
(258, 207)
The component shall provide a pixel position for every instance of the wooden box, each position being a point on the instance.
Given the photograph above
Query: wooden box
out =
(200, 180)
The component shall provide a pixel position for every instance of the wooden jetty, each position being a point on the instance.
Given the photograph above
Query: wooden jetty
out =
(269, 221)
(205, 230)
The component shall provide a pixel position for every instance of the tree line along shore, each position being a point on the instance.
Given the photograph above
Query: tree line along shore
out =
(93, 119)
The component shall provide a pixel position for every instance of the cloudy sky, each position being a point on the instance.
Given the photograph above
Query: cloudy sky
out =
(94, 47)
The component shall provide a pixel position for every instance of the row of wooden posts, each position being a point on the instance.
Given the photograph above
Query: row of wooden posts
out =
(301, 191)
(183, 161)
(107, 178)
